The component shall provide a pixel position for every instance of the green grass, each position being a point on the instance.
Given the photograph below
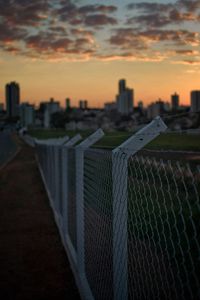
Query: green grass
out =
(174, 141)
(169, 141)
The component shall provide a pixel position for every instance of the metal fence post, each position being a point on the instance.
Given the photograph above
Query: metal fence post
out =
(64, 154)
(120, 156)
(92, 139)
(56, 145)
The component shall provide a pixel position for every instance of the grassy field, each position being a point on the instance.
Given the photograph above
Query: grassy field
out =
(169, 141)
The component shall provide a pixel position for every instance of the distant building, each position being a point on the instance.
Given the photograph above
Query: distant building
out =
(124, 99)
(109, 106)
(140, 105)
(47, 118)
(195, 101)
(122, 86)
(1, 107)
(155, 109)
(49, 108)
(68, 104)
(83, 104)
(27, 114)
(175, 101)
(53, 106)
(12, 91)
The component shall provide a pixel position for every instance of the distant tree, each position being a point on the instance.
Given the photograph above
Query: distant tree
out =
(59, 119)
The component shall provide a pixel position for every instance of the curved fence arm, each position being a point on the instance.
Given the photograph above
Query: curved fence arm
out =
(72, 141)
(142, 137)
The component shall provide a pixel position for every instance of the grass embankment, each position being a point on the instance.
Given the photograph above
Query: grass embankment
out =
(169, 141)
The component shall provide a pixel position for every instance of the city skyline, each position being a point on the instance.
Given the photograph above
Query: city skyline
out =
(85, 103)
(80, 49)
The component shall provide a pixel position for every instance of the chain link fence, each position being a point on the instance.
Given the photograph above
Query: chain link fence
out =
(130, 223)
(163, 229)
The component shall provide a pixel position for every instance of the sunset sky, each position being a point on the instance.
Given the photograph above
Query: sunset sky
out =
(80, 49)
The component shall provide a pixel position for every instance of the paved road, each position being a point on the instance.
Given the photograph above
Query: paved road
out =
(7, 147)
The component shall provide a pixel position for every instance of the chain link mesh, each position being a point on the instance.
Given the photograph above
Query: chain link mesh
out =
(159, 224)
(98, 222)
(72, 211)
(163, 229)
(60, 181)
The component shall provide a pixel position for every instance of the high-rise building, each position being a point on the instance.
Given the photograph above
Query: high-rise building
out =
(122, 85)
(155, 109)
(27, 114)
(67, 103)
(12, 91)
(83, 104)
(47, 108)
(175, 101)
(195, 101)
(125, 98)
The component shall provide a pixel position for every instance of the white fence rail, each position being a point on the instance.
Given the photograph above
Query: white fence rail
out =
(130, 223)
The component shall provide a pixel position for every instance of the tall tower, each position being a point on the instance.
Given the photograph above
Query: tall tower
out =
(68, 105)
(124, 99)
(122, 85)
(175, 101)
(12, 91)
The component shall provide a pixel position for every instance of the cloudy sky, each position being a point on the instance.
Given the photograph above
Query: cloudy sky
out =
(81, 48)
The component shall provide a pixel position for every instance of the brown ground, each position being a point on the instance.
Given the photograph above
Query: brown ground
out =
(33, 263)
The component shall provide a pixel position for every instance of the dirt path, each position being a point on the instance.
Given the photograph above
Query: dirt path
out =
(7, 147)
(33, 263)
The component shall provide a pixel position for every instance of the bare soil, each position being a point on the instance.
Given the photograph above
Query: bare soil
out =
(33, 262)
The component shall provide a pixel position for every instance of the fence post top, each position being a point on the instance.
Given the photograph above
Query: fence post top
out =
(53, 141)
(92, 139)
(141, 138)
(72, 141)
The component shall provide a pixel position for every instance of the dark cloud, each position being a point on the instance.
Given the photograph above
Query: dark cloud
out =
(179, 37)
(58, 30)
(54, 24)
(98, 20)
(157, 20)
(46, 44)
(151, 20)
(186, 52)
(178, 17)
(23, 12)
(7, 34)
(87, 9)
(63, 28)
(190, 62)
(189, 5)
(67, 12)
(160, 15)
(86, 14)
(150, 6)
(130, 38)
(42, 41)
